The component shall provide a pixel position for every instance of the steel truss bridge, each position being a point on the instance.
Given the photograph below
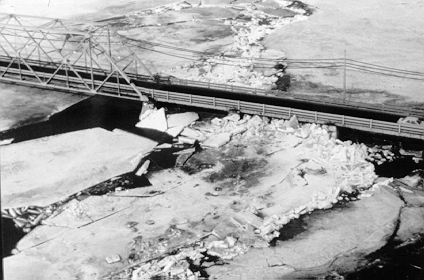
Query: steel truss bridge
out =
(91, 58)
(55, 53)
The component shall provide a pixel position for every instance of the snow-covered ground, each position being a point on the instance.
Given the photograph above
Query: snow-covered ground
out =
(76, 9)
(386, 33)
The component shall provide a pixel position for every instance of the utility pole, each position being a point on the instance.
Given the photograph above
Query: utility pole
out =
(344, 78)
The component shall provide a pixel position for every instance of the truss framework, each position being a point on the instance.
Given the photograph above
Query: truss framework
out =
(88, 55)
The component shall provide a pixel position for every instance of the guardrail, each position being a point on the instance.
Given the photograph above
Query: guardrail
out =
(397, 129)
(389, 109)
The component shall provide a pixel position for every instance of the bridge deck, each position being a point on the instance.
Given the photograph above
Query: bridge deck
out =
(219, 97)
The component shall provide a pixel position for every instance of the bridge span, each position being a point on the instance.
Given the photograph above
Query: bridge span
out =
(90, 58)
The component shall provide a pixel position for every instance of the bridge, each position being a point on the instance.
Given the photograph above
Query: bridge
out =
(91, 58)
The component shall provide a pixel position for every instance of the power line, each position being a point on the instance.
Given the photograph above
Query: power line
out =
(379, 66)
(358, 69)
(188, 54)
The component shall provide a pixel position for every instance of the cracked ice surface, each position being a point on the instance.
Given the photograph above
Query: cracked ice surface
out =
(240, 58)
(277, 168)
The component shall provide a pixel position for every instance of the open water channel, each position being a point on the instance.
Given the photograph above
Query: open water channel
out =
(110, 113)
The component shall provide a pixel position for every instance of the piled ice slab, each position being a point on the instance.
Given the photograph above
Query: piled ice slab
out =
(344, 161)
(246, 62)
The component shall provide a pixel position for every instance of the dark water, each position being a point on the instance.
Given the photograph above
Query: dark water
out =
(394, 264)
(10, 236)
(110, 113)
(391, 263)
(402, 166)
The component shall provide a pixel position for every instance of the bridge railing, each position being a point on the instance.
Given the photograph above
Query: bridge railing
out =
(96, 52)
(62, 45)
(404, 130)
(397, 129)
(386, 108)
